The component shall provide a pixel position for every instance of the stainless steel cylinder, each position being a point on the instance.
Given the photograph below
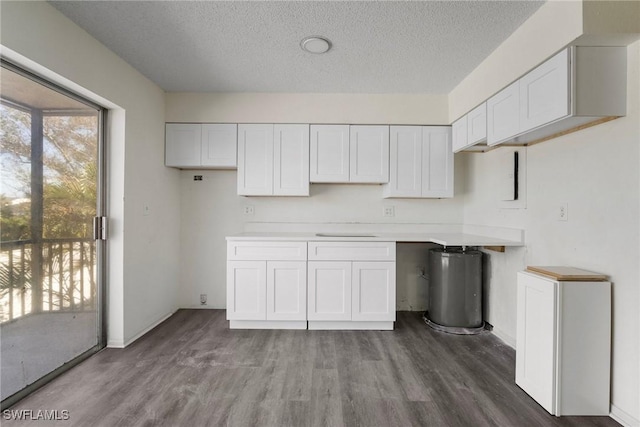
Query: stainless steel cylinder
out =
(455, 288)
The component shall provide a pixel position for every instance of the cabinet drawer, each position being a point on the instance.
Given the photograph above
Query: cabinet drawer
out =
(267, 251)
(352, 251)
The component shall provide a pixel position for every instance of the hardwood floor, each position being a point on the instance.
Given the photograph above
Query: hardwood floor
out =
(193, 371)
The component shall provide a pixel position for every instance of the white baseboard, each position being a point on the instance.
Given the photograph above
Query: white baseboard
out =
(623, 418)
(123, 344)
(504, 337)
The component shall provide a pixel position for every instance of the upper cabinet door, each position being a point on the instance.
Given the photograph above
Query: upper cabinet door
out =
(503, 119)
(329, 153)
(405, 162)
(369, 154)
(182, 145)
(459, 134)
(545, 93)
(219, 145)
(291, 160)
(255, 160)
(477, 125)
(437, 162)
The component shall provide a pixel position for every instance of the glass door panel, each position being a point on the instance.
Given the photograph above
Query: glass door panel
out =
(50, 146)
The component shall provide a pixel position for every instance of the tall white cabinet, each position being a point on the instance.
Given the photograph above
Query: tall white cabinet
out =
(273, 160)
(421, 162)
(563, 340)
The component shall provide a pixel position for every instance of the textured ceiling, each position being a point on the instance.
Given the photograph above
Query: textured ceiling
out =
(237, 46)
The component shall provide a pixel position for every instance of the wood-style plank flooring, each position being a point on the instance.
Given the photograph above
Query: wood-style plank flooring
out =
(193, 371)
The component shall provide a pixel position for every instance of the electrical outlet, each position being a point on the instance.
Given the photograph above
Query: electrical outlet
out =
(146, 210)
(203, 299)
(248, 210)
(388, 211)
(563, 212)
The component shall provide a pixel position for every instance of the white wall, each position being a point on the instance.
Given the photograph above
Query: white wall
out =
(143, 250)
(336, 108)
(554, 25)
(213, 210)
(595, 171)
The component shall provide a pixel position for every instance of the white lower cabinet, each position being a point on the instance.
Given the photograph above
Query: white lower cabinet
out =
(352, 285)
(563, 344)
(373, 296)
(270, 292)
(286, 290)
(246, 290)
(329, 290)
(319, 285)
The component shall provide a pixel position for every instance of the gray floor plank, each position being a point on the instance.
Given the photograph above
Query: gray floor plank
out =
(193, 371)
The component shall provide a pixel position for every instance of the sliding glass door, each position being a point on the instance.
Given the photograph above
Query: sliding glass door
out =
(50, 263)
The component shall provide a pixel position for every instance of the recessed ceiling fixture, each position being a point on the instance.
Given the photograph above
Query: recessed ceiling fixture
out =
(315, 44)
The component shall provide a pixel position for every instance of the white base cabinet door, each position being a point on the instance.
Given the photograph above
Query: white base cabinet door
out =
(286, 290)
(246, 290)
(563, 340)
(373, 291)
(536, 332)
(329, 296)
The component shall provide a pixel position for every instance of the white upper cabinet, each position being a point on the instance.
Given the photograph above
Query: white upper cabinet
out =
(544, 93)
(437, 162)
(291, 160)
(182, 145)
(201, 146)
(329, 153)
(477, 124)
(503, 118)
(369, 154)
(219, 145)
(578, 86)
(344, 154)
(273, 160)
(405, 162)
(421, 162)
(459, 134)
(255, 160)
(470, 129)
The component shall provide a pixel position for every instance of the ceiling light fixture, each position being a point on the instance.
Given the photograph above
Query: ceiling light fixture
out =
(315, 44)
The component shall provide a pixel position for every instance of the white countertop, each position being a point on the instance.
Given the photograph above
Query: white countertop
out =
(445, 239)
